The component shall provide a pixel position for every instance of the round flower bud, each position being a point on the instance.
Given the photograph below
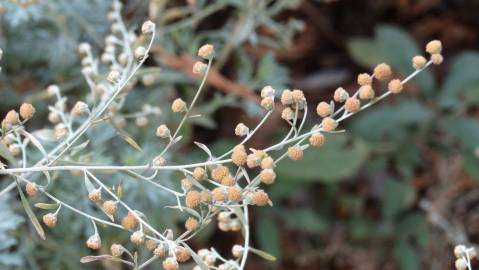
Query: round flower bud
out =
(295, 152)
(298, 95)
(140, 52)
(352, 105)
(218, 194)
(50, 220)
(170, 264)
(113, 76)
(267, 163)
(267, 103)
(461, 264)
(460, 251)
(239, 155)
(110, 207)
(324, 109)
(15, 149)
(31, 189)
(27, 111)
(54, 118)
(159, 161)
(366, 92)
(437, 59)
(186, 184)
(237, 251)
(191, 224)
(219, 173)
(260, 198)
(193, 199)
(267, 91)
(61, 132)
(137, 237)
(234, 194)
(241, 130)
(160, 251)
(178, 105)
(11, 118)
(228, 181)
(382, 72)
(84, 48)
(340, 95)
(182, 254)
(116, 250)
(205, 196)
(329, 124)
(210, 259)
(206, 51)
(287, 97)
(129, 221)
(199, 68)
(267, 176)
(163, 131)
(53, 90)
(364, 79)
(80, 108)
(434, 47)
(95, 196)
(94, 242)
(317, 140)
(147, 28)
(150, 244)
(199, 174)
(419, 62)
(395, 86)
(287, 114)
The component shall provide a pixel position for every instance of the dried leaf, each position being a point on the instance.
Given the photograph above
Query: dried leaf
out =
(30, 213)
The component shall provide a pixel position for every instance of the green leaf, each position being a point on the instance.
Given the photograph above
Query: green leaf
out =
(397, 197)
(30, 213)
(406, 256)
(335, 160)
(47, 206)
(463, 78)
(268, 236)
(305, 220)
(364, 52)
(465, 130)
(372, 127)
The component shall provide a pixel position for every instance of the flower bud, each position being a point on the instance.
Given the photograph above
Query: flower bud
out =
(295, 152)
(193, 199)
(50, 220)
(147, 28)
(287, 97)
(267, 103)
(324, 109)
(437, 59)
(178, 105)
(237, 251)
(27, 111)
(137, 237)
(191, 224)
(199, 68)
(206, 51)
(241, 130)
(419, 62)
(11, 118)
(94, 242)
(395, 86)
(364, 79)
(317, 140)
(329, 124)
(366, 92)
(382, 72)
(129, 221)
(80, 108)
(117, 250)
(267, 176)
(170, 264)
(287, 114)
(163, 131)
(267, 91)
(199, 174)
(260, 198)
(352, 105)
(434, 47)
(340, 95)
(113, 76)
(31, 189)
(140, 52)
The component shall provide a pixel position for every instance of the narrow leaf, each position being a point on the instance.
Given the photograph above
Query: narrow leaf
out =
(30, 213)
(47, 206)
(35, 142)
(130, 140)
(204, 148)
(263, 254)
(88, 184)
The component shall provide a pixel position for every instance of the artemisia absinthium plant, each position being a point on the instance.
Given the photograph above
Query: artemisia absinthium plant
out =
(219, 189)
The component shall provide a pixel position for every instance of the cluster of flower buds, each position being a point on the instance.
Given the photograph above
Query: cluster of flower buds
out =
(206, 52)
(464, 255)
(227, 221)
(12, 121)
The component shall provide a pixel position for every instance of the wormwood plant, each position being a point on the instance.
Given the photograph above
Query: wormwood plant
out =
(220, 188)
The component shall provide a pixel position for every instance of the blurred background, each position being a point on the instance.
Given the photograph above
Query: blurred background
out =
(397, 190)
